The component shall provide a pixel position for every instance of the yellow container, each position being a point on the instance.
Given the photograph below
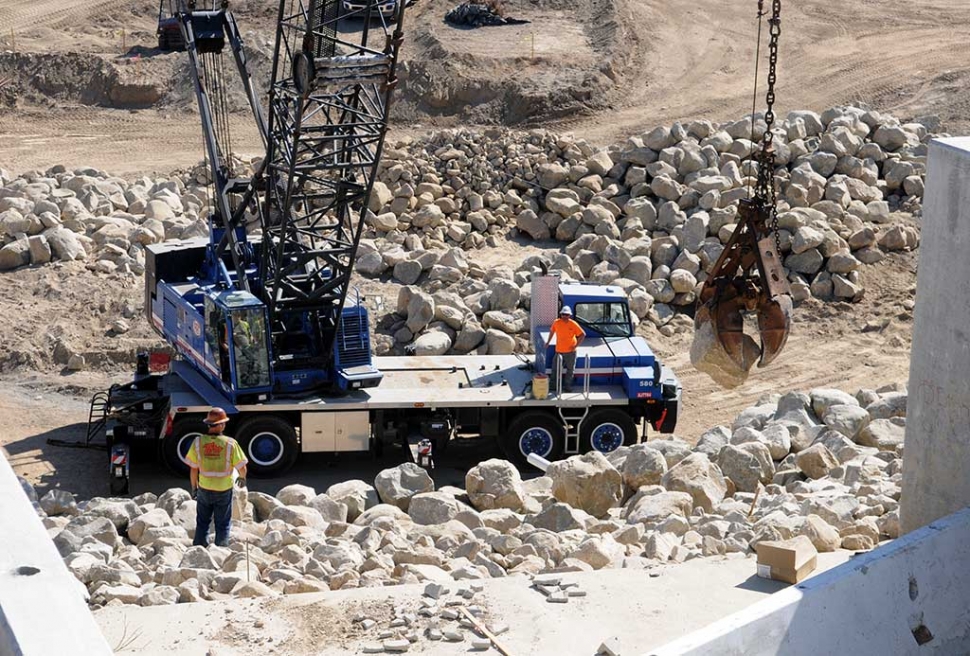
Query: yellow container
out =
(540, 386)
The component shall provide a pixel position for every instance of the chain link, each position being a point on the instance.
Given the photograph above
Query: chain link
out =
(765, 190)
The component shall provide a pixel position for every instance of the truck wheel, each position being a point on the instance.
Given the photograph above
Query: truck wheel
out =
(269, 444)
(533, 432)
(177, 445)
(607, 430)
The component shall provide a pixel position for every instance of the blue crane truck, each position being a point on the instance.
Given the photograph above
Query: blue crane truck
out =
(264, 324)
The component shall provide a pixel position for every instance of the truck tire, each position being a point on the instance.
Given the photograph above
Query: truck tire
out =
(178, 443)
(269, 444)
(606, 430)
(534, 431)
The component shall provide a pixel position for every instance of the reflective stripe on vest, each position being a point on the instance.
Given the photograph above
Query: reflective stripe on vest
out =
(205, 461)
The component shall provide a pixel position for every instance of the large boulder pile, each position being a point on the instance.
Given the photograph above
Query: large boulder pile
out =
(825, 464)
(89, 215)
(650, 215)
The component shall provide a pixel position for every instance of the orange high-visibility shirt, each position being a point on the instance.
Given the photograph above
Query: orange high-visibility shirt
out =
(567, 334)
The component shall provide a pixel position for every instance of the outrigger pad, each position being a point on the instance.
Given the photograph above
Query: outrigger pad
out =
(708, 355)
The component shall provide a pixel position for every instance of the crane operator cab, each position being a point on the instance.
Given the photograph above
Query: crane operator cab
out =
(237, 342)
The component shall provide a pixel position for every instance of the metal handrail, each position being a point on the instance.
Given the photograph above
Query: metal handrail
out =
(558, 362)
(586, 379)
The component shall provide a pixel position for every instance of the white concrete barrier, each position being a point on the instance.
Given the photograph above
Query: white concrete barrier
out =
(935, 481)
(42, 607)
(911, 596)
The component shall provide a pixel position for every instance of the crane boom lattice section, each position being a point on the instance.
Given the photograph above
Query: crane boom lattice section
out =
(328, 118)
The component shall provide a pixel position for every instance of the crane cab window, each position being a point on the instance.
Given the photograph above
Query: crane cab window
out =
(250, 346)
(609, 319)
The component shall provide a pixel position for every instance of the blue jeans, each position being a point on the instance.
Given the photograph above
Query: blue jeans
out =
(212, 506)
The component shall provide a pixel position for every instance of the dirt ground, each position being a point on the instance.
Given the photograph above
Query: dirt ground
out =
(80, 84)
(84, 72)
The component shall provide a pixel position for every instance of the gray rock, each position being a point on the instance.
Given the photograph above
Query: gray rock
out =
(434, 508)
(588, 482)
(330, 509)
(655, 508)
(398, 484)
(741, 466)
(883, 434)
(407, 271)
(70, 538)
(356, 495)
(846, 419)
(15, 254)
(58, 502)
(434, 342)
(816, 461)
(559, 517)
(495, 484)
(700, 478)
(296, 495)
(299, 516)
(643, 465)
(712, 440)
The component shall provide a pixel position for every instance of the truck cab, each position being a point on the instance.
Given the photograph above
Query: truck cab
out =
(612, 353)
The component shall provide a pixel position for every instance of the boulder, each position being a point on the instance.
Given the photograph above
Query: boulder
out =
(58, 502)
(643, 465)
(433, 508)
(433, 342)
(15, 254)
(154, 518)
(846, 419)
(673, 449)
(330, 509)
(495, 484)
(559, 517)
(398, 484)
(599, 552)
(299, 516)
(119, 511)
(741, 466)
(296, 495)
(588, 482)
(823, 535)
(700, 478)
(816, 461)
(713, 440)
(356, 495)
(655, 508)
(70, 538)
(883, 434)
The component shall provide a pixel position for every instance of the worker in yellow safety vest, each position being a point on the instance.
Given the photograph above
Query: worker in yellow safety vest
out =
(212, 459)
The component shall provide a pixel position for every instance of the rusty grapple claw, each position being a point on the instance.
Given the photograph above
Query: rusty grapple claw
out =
(747, 278)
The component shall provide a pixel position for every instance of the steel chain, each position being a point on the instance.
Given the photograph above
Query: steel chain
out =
(766, 160)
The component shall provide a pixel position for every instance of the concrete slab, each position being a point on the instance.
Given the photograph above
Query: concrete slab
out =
(640, 610)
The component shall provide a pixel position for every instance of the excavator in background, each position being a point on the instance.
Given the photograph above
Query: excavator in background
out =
(749, 276)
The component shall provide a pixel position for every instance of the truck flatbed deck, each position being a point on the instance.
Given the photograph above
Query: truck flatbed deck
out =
(430, 381)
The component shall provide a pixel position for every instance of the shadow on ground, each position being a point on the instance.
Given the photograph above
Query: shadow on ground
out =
(85, 471)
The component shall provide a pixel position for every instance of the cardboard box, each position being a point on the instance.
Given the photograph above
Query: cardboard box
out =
(787, 560)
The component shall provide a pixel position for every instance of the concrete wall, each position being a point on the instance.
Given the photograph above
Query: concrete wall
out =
(937, 460)
(42, 607)
(888, 601)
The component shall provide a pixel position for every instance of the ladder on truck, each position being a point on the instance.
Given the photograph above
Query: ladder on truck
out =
(573, 415)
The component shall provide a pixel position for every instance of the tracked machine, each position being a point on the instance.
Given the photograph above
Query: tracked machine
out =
(265, 323)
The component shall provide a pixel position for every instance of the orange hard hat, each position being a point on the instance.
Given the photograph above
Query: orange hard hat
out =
(216, 416)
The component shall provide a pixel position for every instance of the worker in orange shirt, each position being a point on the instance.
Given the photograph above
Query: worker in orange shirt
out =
(569, 335)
